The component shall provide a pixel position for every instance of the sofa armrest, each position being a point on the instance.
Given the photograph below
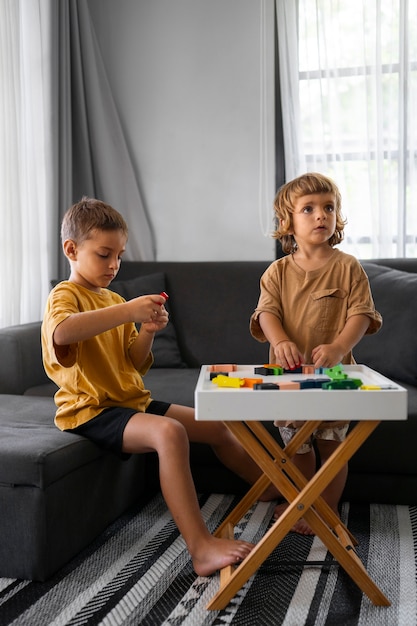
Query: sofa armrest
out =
(21, 358)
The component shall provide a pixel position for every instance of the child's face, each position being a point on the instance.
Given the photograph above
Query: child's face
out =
(314, 219)
(96, 261)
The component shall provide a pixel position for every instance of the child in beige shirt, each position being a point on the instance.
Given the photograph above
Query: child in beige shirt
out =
(315, 305)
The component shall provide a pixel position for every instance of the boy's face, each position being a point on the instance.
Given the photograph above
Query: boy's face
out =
(96, 261)
(314, 218)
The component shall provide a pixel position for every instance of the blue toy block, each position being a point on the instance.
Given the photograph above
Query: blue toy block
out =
(310, 383)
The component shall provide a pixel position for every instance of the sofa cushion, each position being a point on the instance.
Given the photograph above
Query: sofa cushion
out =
(393, 350)
(165, 347)
(33, 451)
(172, 385)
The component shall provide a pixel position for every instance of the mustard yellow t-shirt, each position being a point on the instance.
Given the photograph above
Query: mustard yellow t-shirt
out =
(313, 306)
(96, 373)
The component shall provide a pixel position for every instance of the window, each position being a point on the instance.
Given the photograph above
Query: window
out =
(357, 89)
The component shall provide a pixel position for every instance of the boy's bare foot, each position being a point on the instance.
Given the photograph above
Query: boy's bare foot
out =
(216, 553)
(301, 527)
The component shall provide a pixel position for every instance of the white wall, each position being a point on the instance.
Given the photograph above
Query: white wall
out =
(185, 76)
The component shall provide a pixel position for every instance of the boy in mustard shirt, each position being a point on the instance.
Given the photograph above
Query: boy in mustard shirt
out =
(94, 353)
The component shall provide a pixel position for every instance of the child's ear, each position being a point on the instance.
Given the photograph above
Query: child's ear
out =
(286, 227)
(70, 249)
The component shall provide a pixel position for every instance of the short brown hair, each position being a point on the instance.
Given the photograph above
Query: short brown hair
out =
(87, 215)
(304, 185)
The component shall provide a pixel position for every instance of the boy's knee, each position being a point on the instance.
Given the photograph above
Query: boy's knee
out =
(171, 429)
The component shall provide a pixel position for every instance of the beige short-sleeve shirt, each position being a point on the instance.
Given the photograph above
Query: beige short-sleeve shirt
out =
(313, 306)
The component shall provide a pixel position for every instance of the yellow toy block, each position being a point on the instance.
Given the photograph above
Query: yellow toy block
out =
(228, 381)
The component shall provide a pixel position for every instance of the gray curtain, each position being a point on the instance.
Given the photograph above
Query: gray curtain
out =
(93, 155)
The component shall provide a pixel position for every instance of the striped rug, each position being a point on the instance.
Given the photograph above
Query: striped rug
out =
(139, 572)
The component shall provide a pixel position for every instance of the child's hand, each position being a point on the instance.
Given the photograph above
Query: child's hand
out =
(159, 321)
(149, 310)
(326, 355)
(287, 354)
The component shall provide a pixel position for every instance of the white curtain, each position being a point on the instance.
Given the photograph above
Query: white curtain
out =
(26, 199)
(349, 92)
(61, 138)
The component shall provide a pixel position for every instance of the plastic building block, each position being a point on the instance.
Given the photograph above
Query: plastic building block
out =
(214, 374)
(346, 383)
(310, 383)
(291, 384)
(270, 386)
(227, 381)
(276, 368)
(376, 387)
(223, 367)
(335, 373)
(294, 370)
(164, 295)
(250, 382)
(308, 369)
(264, 371)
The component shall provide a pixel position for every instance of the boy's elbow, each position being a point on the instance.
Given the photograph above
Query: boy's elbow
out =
(59, 336)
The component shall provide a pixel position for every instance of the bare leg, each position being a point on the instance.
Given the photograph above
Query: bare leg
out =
(226, 447)
(333, 491)
(146, 432)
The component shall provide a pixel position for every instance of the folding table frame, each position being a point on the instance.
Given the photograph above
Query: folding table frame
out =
(303, 496)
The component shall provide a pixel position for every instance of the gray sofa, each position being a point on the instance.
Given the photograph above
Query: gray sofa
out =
(58, 491)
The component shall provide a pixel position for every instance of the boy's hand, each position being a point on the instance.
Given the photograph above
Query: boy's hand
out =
(158, 322)
(149, 310)
(326, 355)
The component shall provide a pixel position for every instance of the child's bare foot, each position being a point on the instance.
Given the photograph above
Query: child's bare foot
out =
(216, 553)
(301, 527)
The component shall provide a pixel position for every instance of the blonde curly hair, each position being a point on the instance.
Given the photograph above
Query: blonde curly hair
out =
(304, 185)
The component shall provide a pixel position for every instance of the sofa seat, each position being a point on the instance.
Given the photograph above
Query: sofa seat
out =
(52, 484)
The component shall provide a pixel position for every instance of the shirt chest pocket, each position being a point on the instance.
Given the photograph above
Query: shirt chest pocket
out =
(328, 309)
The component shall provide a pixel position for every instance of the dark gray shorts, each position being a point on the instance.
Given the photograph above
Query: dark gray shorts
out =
(106, 429)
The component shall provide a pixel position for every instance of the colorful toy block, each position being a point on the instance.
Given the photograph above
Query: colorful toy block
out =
(223, 367)
(335, 373)
(290, 384)
(228, 381)
(310, 383)
(264, 386)
(214, 374)
(294, 370)
(346, 383)
(264, 371)
(251, 382)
